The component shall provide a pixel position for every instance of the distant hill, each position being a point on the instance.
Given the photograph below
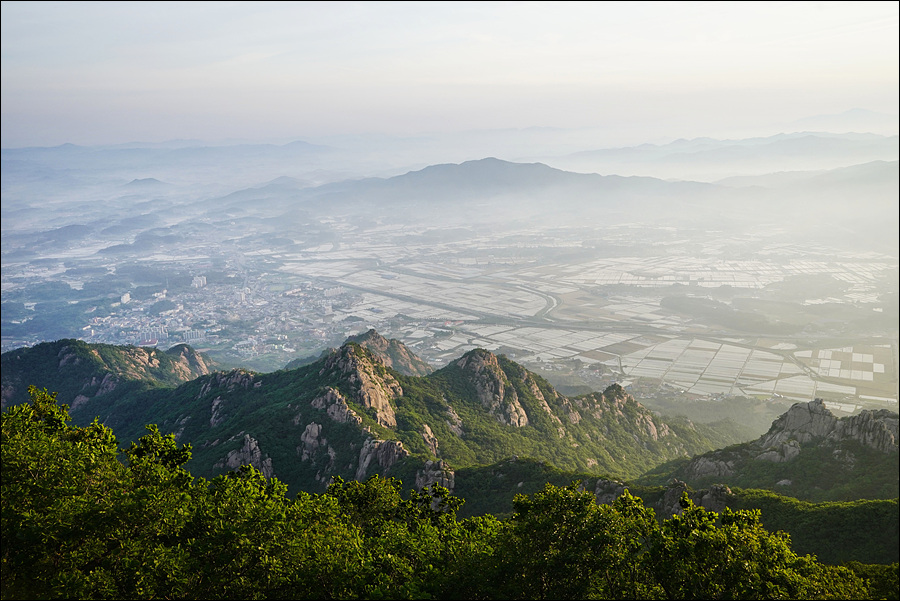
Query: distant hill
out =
(502, 195)
(853, 120)
(494, 193)
(147, 183)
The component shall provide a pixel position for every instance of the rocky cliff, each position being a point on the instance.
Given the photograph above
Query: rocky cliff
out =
(492, 387)
(373, 386)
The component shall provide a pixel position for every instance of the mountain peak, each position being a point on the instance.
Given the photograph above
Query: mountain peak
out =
(615, 392)
(492, 387)
(372, 385)
(394, 353)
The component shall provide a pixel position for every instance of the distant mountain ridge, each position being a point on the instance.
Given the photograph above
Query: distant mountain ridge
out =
(707, 159)
(351, 415)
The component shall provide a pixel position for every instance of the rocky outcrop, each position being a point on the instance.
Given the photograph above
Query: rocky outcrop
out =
(228, 381)
(715, 498)
(248, 454)
(374, 385)
(607, 491)
(454, 422)
(493, 389)
(780, 452)
(436, 472)
(393, 353)
(97, 386)
(181, 424)
(383, 453)
(430, 439)
(805, 422)
(82, 372)
(188, 363)
(710, 465)
(310, 441)
(314, 448)
(616, 402)
(336, 407)
(216, 414)
(802, 425)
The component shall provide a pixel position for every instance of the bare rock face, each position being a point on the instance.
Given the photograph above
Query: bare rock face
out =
(188, 363)
(375, 386)
(335, 406)
(436, 472)
(99, 386)
(454, 421)
(315, 449)
(384, 453)
(216, 417)
(494, 390)
(571, 410)
(715, 498)
(249, 454)
(311, 441)
(780, 453)
(705, 466)
(430, 439)
(617, 402)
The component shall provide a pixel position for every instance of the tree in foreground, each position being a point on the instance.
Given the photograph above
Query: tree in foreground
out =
(83, 519)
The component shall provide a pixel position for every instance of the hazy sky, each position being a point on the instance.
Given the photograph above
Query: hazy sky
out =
(110, 72)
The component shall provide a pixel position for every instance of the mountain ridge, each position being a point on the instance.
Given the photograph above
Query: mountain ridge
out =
(349, 412)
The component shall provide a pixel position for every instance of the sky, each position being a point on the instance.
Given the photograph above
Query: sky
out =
(97, 73)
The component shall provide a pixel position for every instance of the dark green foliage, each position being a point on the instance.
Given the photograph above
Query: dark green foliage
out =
(161, 307)
(78, 522)
(883, 580)
(701, 555)
(836, 532)
(218, 412)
